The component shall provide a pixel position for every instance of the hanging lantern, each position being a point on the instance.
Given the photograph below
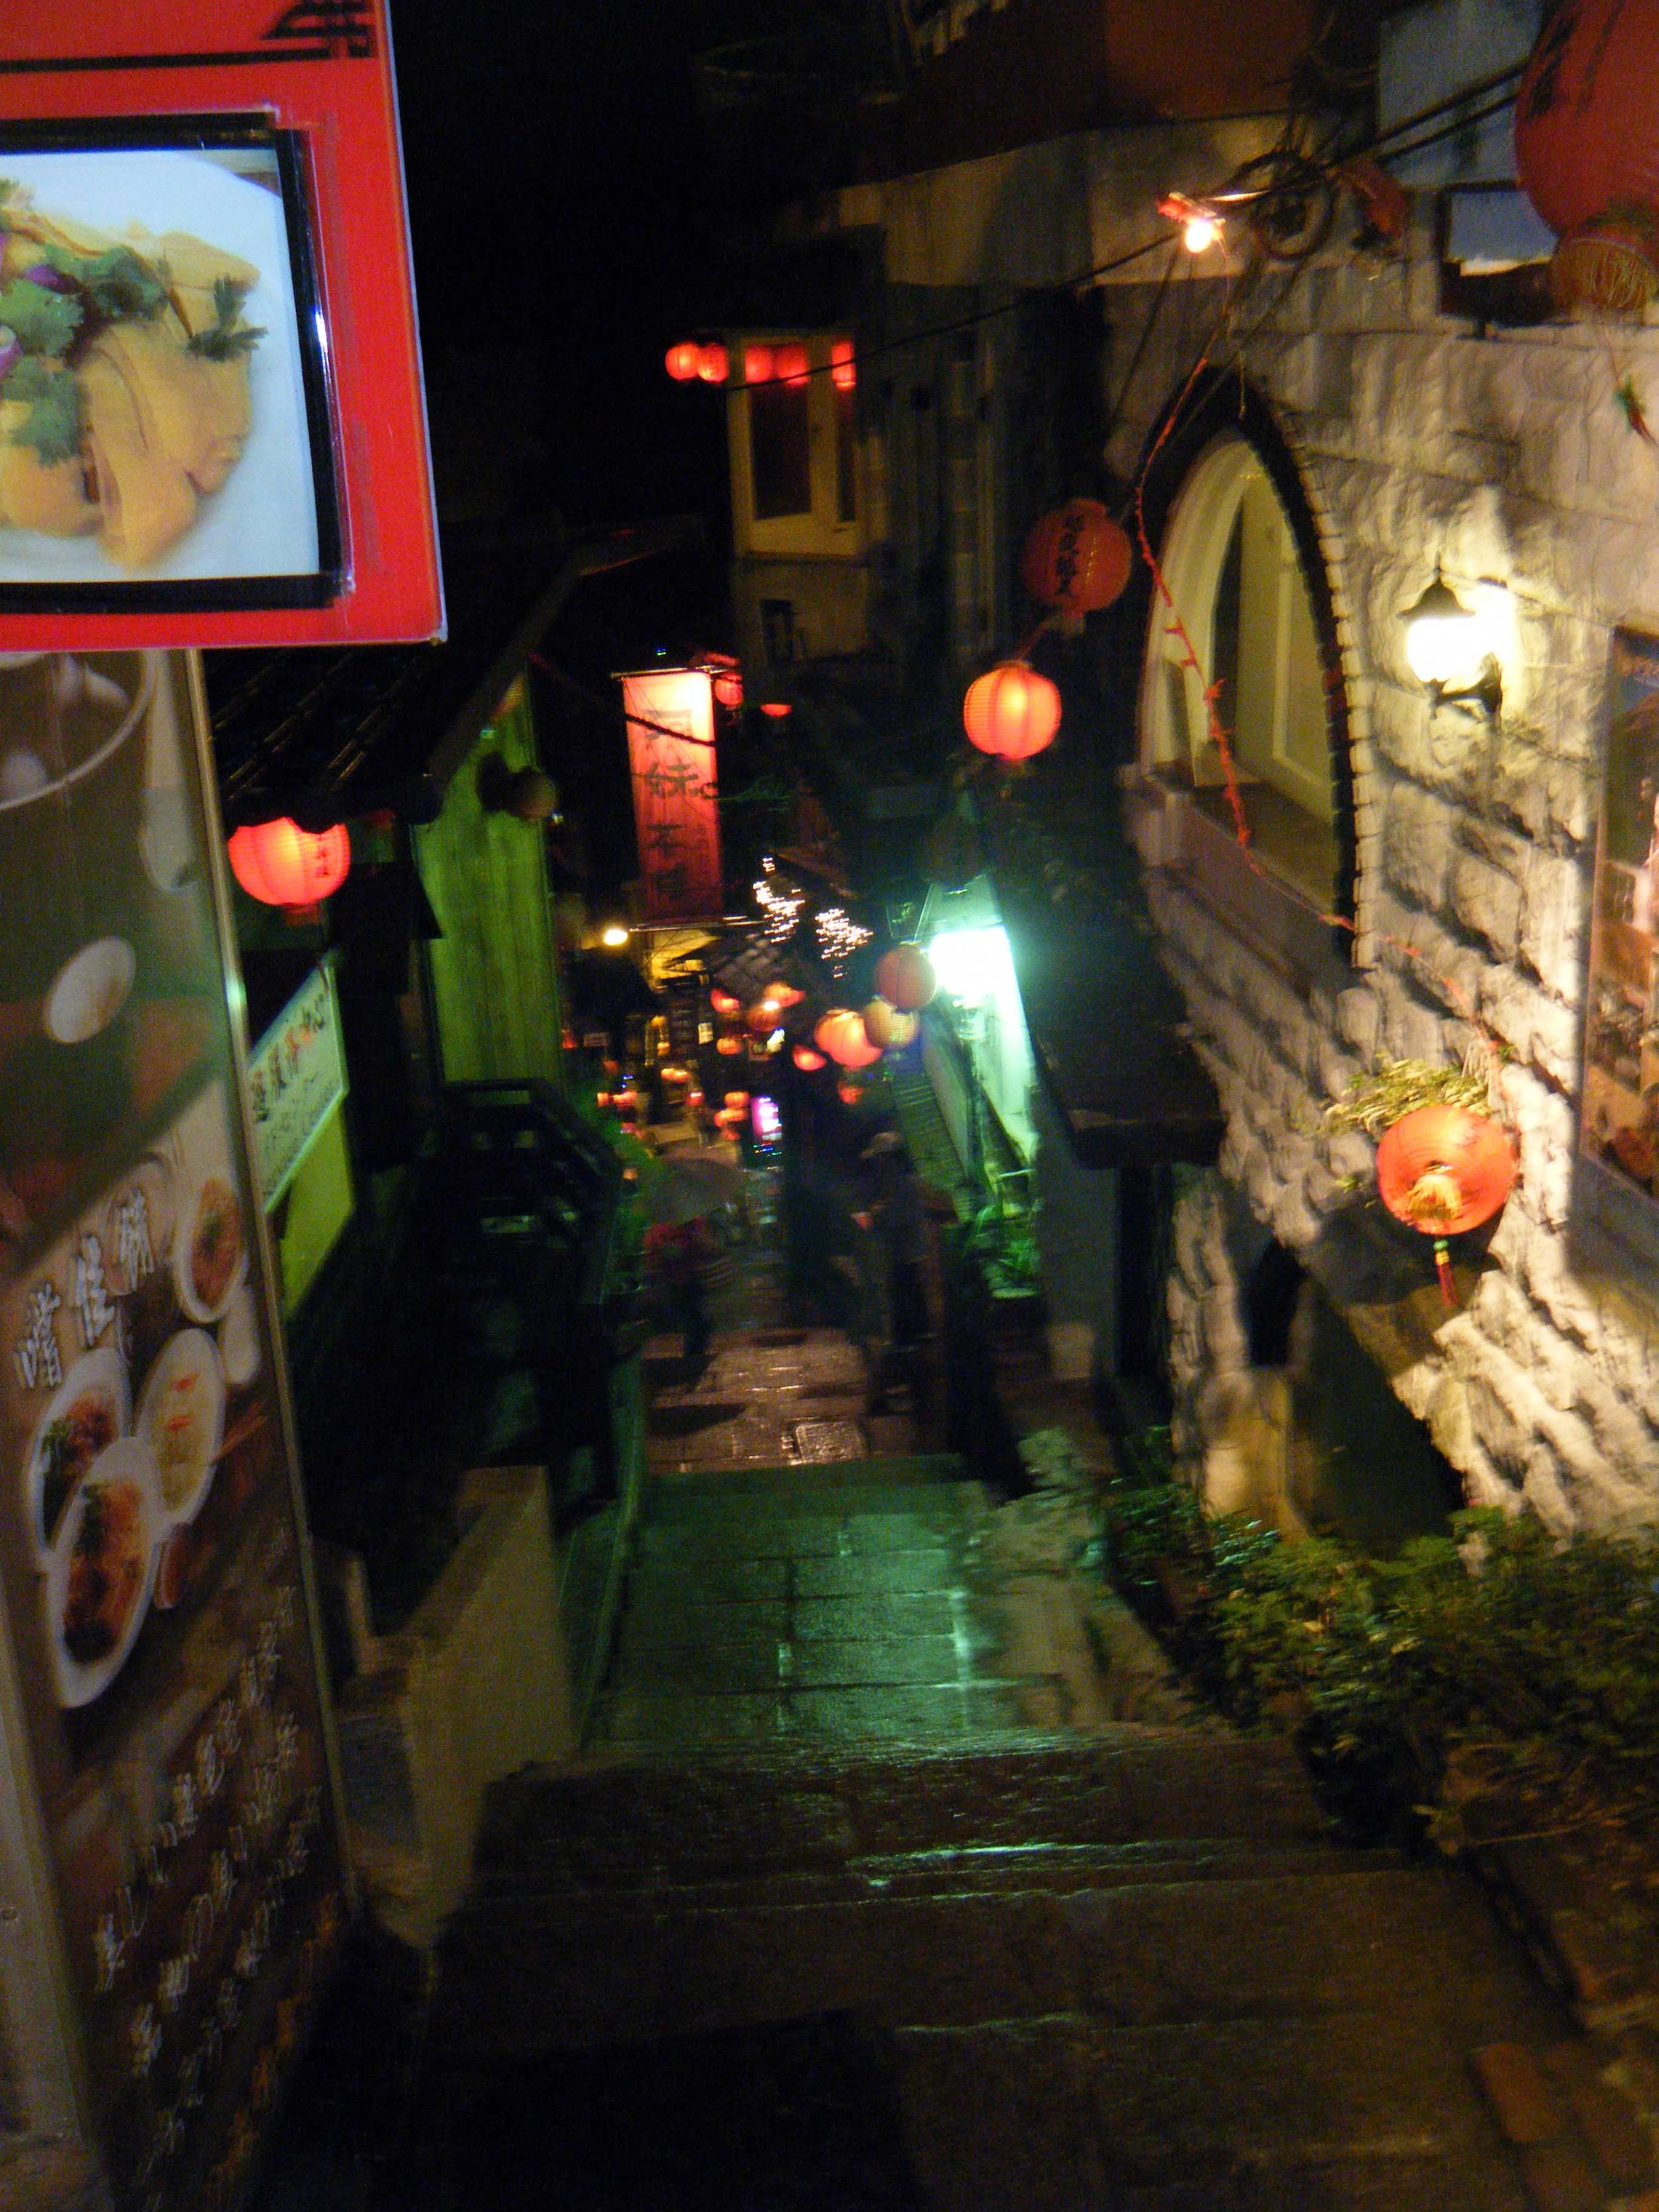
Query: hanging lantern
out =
(736, 1101)
(682, 361)
(627, 1102)
(729, 1045)
(1442, 1170)
(759, 364)
(728, 689)
(1609, 266)
(762, 1019)
(905, 978)
(841, 1035)
(279, 864)
(849, 1090)
(713, 363)
(887, 1029)
(1077, 559)
(790, 364)
(724, 1003)
(1587, 112)
(807, 1060)
(844, 366)
(1010, 711)
(694, 1099)
(777, 708)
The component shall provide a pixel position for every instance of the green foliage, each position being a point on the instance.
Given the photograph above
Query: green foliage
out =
(118, 286)
(53, 424)
(1372, 1102)
(1499, 1668)
(227, 337)
(43, 322)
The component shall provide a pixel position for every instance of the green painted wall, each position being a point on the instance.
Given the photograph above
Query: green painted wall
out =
(494, 972)
(315, 1208)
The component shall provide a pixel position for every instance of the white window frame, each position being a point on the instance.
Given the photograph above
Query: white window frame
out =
(820, 533)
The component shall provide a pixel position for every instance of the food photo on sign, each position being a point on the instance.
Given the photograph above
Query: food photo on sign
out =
(162, 422)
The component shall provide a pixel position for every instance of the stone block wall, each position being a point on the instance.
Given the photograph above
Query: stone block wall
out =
(1508, 456)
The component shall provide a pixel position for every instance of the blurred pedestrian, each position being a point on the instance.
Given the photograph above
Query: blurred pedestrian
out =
(677, 1258)
(896, 1217)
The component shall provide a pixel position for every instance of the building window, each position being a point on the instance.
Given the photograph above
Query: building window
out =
(1235, 570)
(794, 451)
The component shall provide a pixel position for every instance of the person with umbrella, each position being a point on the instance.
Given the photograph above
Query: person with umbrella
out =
(678, 1244)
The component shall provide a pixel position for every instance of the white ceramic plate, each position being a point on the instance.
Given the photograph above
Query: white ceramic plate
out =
(100, 1373)
(181, 1420)
(126, 1474)
(206, 1301)
(263, 520)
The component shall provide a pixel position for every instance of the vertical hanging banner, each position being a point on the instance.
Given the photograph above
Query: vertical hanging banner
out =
(671, 753)
(160, 1692)
(212, 427)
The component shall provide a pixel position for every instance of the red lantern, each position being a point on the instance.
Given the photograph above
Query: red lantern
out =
(790, 364)
(681, 361)
(1010, 711)
(281, 864)
(1587, 112)
(905, 978)
(1077, 559)
(784, 994)
(762, 1017)
(886, 1028)
(693, 1099)
(728, 689)
(730, 1044)
(713, 363)
(841, 1034)
(759, 364)
(777, 708)
(844, 366)
(723, 1002)
(807, 1061)
(849, 1090)
(737, 1101)
(1442, 1170)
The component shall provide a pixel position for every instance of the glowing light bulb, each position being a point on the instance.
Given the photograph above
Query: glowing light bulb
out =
(1201, 232)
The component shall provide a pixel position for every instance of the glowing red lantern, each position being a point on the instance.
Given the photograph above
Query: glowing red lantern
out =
(759, 364)
(841, 1035)
(849, 1090)
(1010, 711)
(713, 363)
(777, 708)
(886, 1028)
(1442, 1170)
(728, 689)
(1077, 559)
(279, 864)
(905, 978)
(693, 1100)
(1587, 112)
(681, 361)
(790, 364)
(807, 1061)
(723, 1002)
(784, 994)
(729, 1045)
(844, 366)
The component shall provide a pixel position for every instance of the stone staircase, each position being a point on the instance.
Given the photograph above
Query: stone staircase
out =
(1096, 1965)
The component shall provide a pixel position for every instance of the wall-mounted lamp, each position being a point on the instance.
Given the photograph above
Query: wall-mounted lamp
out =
(1450, 648)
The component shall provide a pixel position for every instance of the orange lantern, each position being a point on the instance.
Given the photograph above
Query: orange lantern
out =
(723, 1002)
(841, 1035)
(694, 1098)
(849, 1090)
(1010, 711)
(777, 708)
(1442, 1170)
(729, 1044)
(790, 364)
(281, 864)
(807, 1061)
(627, 1102)
(784, 994)
(905, 978)
(844, 366)
(736, 1102)
(728, 689)
(1077, 559)
(759, 366)
(713, 363)
(1587, 112)
(762, 1019)
(681, 361)
(886, 1028)
(602, 1099)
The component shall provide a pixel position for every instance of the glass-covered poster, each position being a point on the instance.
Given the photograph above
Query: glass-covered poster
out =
(163, 1661)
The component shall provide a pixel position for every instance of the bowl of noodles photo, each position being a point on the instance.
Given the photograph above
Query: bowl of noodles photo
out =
(81, 1419)
(209, 1250)
(101, 1572)
(181, 1420)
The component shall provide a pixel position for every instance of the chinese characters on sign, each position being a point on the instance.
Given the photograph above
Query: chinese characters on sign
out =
(295, 1079)
(671, 753)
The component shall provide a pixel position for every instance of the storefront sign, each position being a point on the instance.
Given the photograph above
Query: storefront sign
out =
(670, 751)
(214, 429)
(295, 1079)
(163, 1720)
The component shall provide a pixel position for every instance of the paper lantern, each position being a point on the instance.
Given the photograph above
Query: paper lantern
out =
(1609, 266)
(279, 864)
(728, 689)
(1010, 711)
(807, 1060)
(762, 1019)
(1442, 1170)
(1077, 559)
(790, 364)
(849, 1090)
(777, 708)
(841, 1036)
(887, 1029)
(681, 361)
(714, 364)
(844, 366)
(905, 978)
(730, 1044)
(737, 1101)
(758, 364)
(723, 1002)
(1587, 112)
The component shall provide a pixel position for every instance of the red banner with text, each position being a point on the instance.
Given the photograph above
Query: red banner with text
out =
(670, 751)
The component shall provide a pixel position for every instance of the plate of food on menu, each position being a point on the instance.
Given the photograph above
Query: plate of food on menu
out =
(209, 1250)
(101, 1573)
(181, 1417)
(83, 1417)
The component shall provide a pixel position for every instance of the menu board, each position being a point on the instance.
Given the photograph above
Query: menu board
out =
(296, 1078)
(152, 1557)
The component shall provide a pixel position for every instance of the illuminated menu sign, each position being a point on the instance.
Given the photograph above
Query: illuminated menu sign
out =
(671, 753)
(153, 1558)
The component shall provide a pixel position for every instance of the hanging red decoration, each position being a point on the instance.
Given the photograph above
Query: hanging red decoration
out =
(844, 366)
(682, 361)
(1010, 711)
(728, 689)
(736, 1102)
(1587, 112)
(841, 1035)
(1443, 1170)
(762, 1019)
(724, 1003)
(279, 864)
(759, 364)
(807, 1061)
(849, 1090)
(887, 1029)
(777, 708)
(905, 978)
(729, 1045)
(1077, 559)
(791, 364)
(713, 363)
(1609, 266)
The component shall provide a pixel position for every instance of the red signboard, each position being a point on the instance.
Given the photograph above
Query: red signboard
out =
(212, 430)
(670, 751)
